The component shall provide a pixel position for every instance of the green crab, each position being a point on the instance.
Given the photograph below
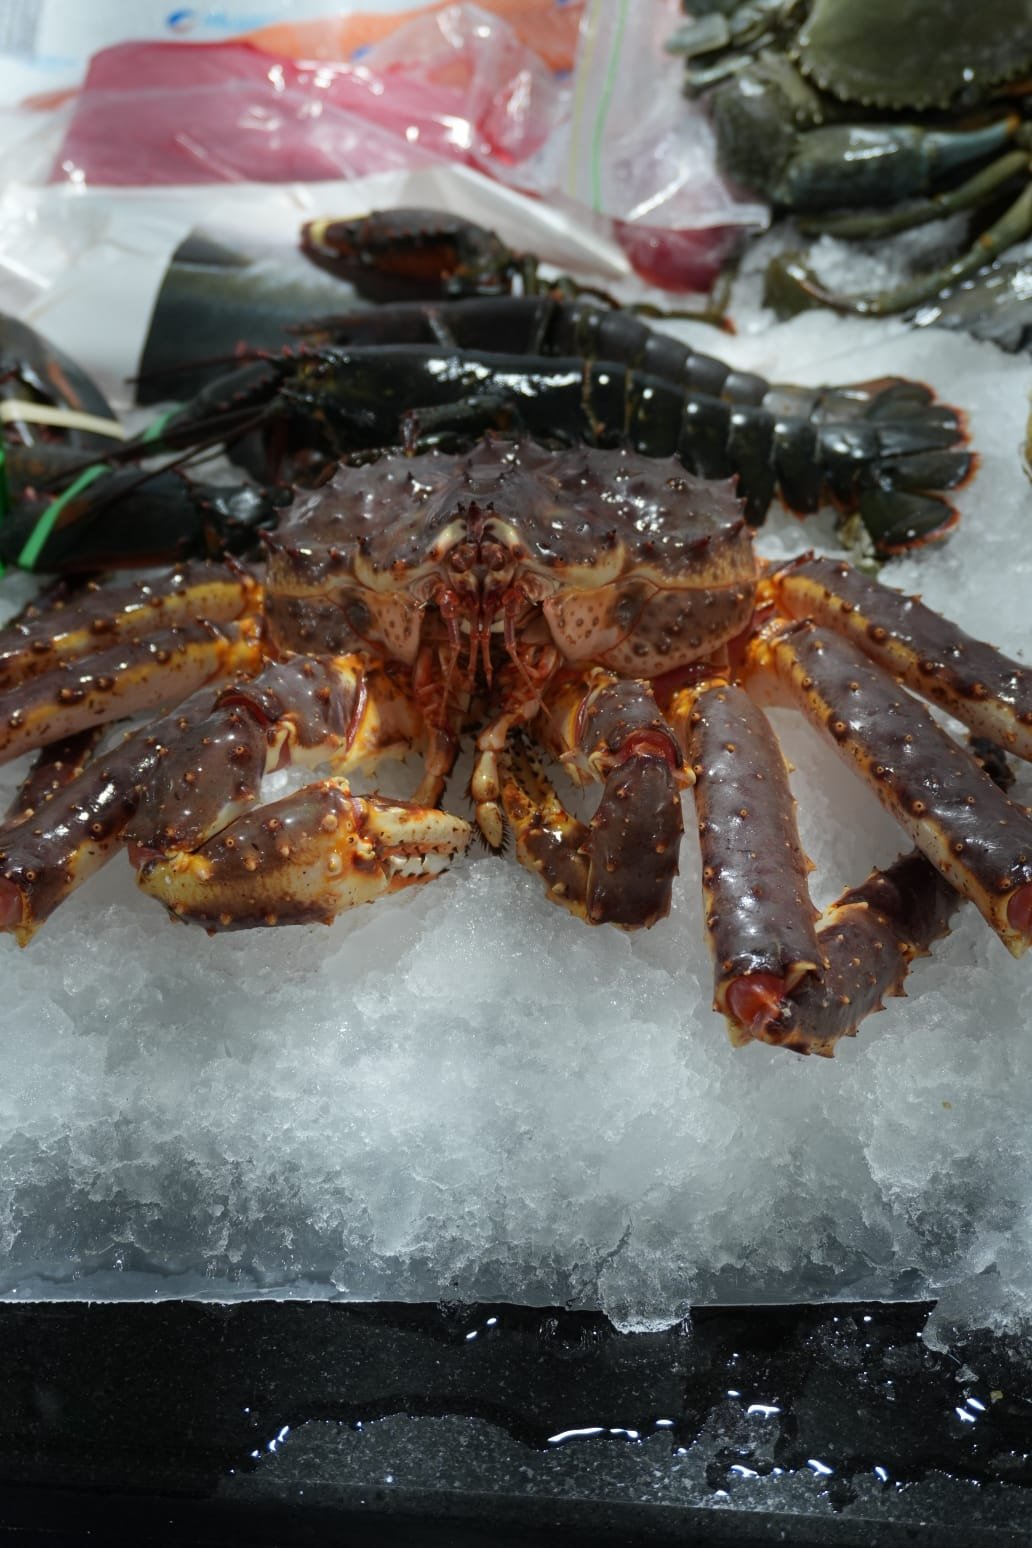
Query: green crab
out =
(868, 117)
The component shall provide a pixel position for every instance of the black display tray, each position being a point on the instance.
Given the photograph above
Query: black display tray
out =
(316, 1423)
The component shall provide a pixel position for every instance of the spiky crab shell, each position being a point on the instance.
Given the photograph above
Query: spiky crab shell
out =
(632, 562)
(918, 54)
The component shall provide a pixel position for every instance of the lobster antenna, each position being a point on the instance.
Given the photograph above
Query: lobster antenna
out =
(242, 354)
(225, 429)
(176, 464)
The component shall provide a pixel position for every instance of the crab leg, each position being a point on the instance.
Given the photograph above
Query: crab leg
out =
(180, 779)
(54, 767)
(968, 195)
(977, 683)
(871, 935)
(758, 909)
(97, 616)
(305, 859)
(109, 651)
(606, 729)
(794, 277)
(136, 675)
(974, 836)
(311, 710)
(50, 852)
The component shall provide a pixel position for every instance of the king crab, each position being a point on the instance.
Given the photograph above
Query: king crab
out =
(606, 604)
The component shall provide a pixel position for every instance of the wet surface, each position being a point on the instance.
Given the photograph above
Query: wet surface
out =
(286, 1422)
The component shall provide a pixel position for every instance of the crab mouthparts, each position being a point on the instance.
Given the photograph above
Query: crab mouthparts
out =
(476, 624)
(473, 617)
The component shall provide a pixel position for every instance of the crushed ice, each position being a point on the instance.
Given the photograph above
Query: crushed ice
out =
(463, 1092)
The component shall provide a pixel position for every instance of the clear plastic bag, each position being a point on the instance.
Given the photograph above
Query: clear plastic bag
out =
(455, 85)
(549, 27)
(642, 155)
(613, 147)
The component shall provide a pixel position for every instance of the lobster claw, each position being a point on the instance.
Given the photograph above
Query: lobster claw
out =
(305, 859)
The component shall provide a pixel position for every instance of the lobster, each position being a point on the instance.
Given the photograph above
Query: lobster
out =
(886, 449)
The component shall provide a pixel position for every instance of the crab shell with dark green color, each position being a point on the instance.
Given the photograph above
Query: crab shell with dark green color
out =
(875, 118)
(914, 54)
(854, 59)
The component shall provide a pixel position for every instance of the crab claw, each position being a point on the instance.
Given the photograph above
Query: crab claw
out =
(305, 859)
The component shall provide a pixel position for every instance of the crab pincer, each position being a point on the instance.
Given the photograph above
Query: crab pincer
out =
(178, 783)
(305, 859)
(637, 826)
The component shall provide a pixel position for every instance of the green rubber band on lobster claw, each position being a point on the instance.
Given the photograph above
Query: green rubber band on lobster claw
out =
(154, 432)
(37, 538)
(34, 543)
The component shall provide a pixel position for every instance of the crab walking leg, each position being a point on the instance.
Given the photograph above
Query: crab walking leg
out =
(872, 934)
(50, 852)
(760, 919)
(973, 681)
(55, 766)
(138, 674)
(305, 859)
(974, 836)
(99, 616)
(182, 778)
(548, 839)
(609, 729)
(1014, 225)
(338, 710)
